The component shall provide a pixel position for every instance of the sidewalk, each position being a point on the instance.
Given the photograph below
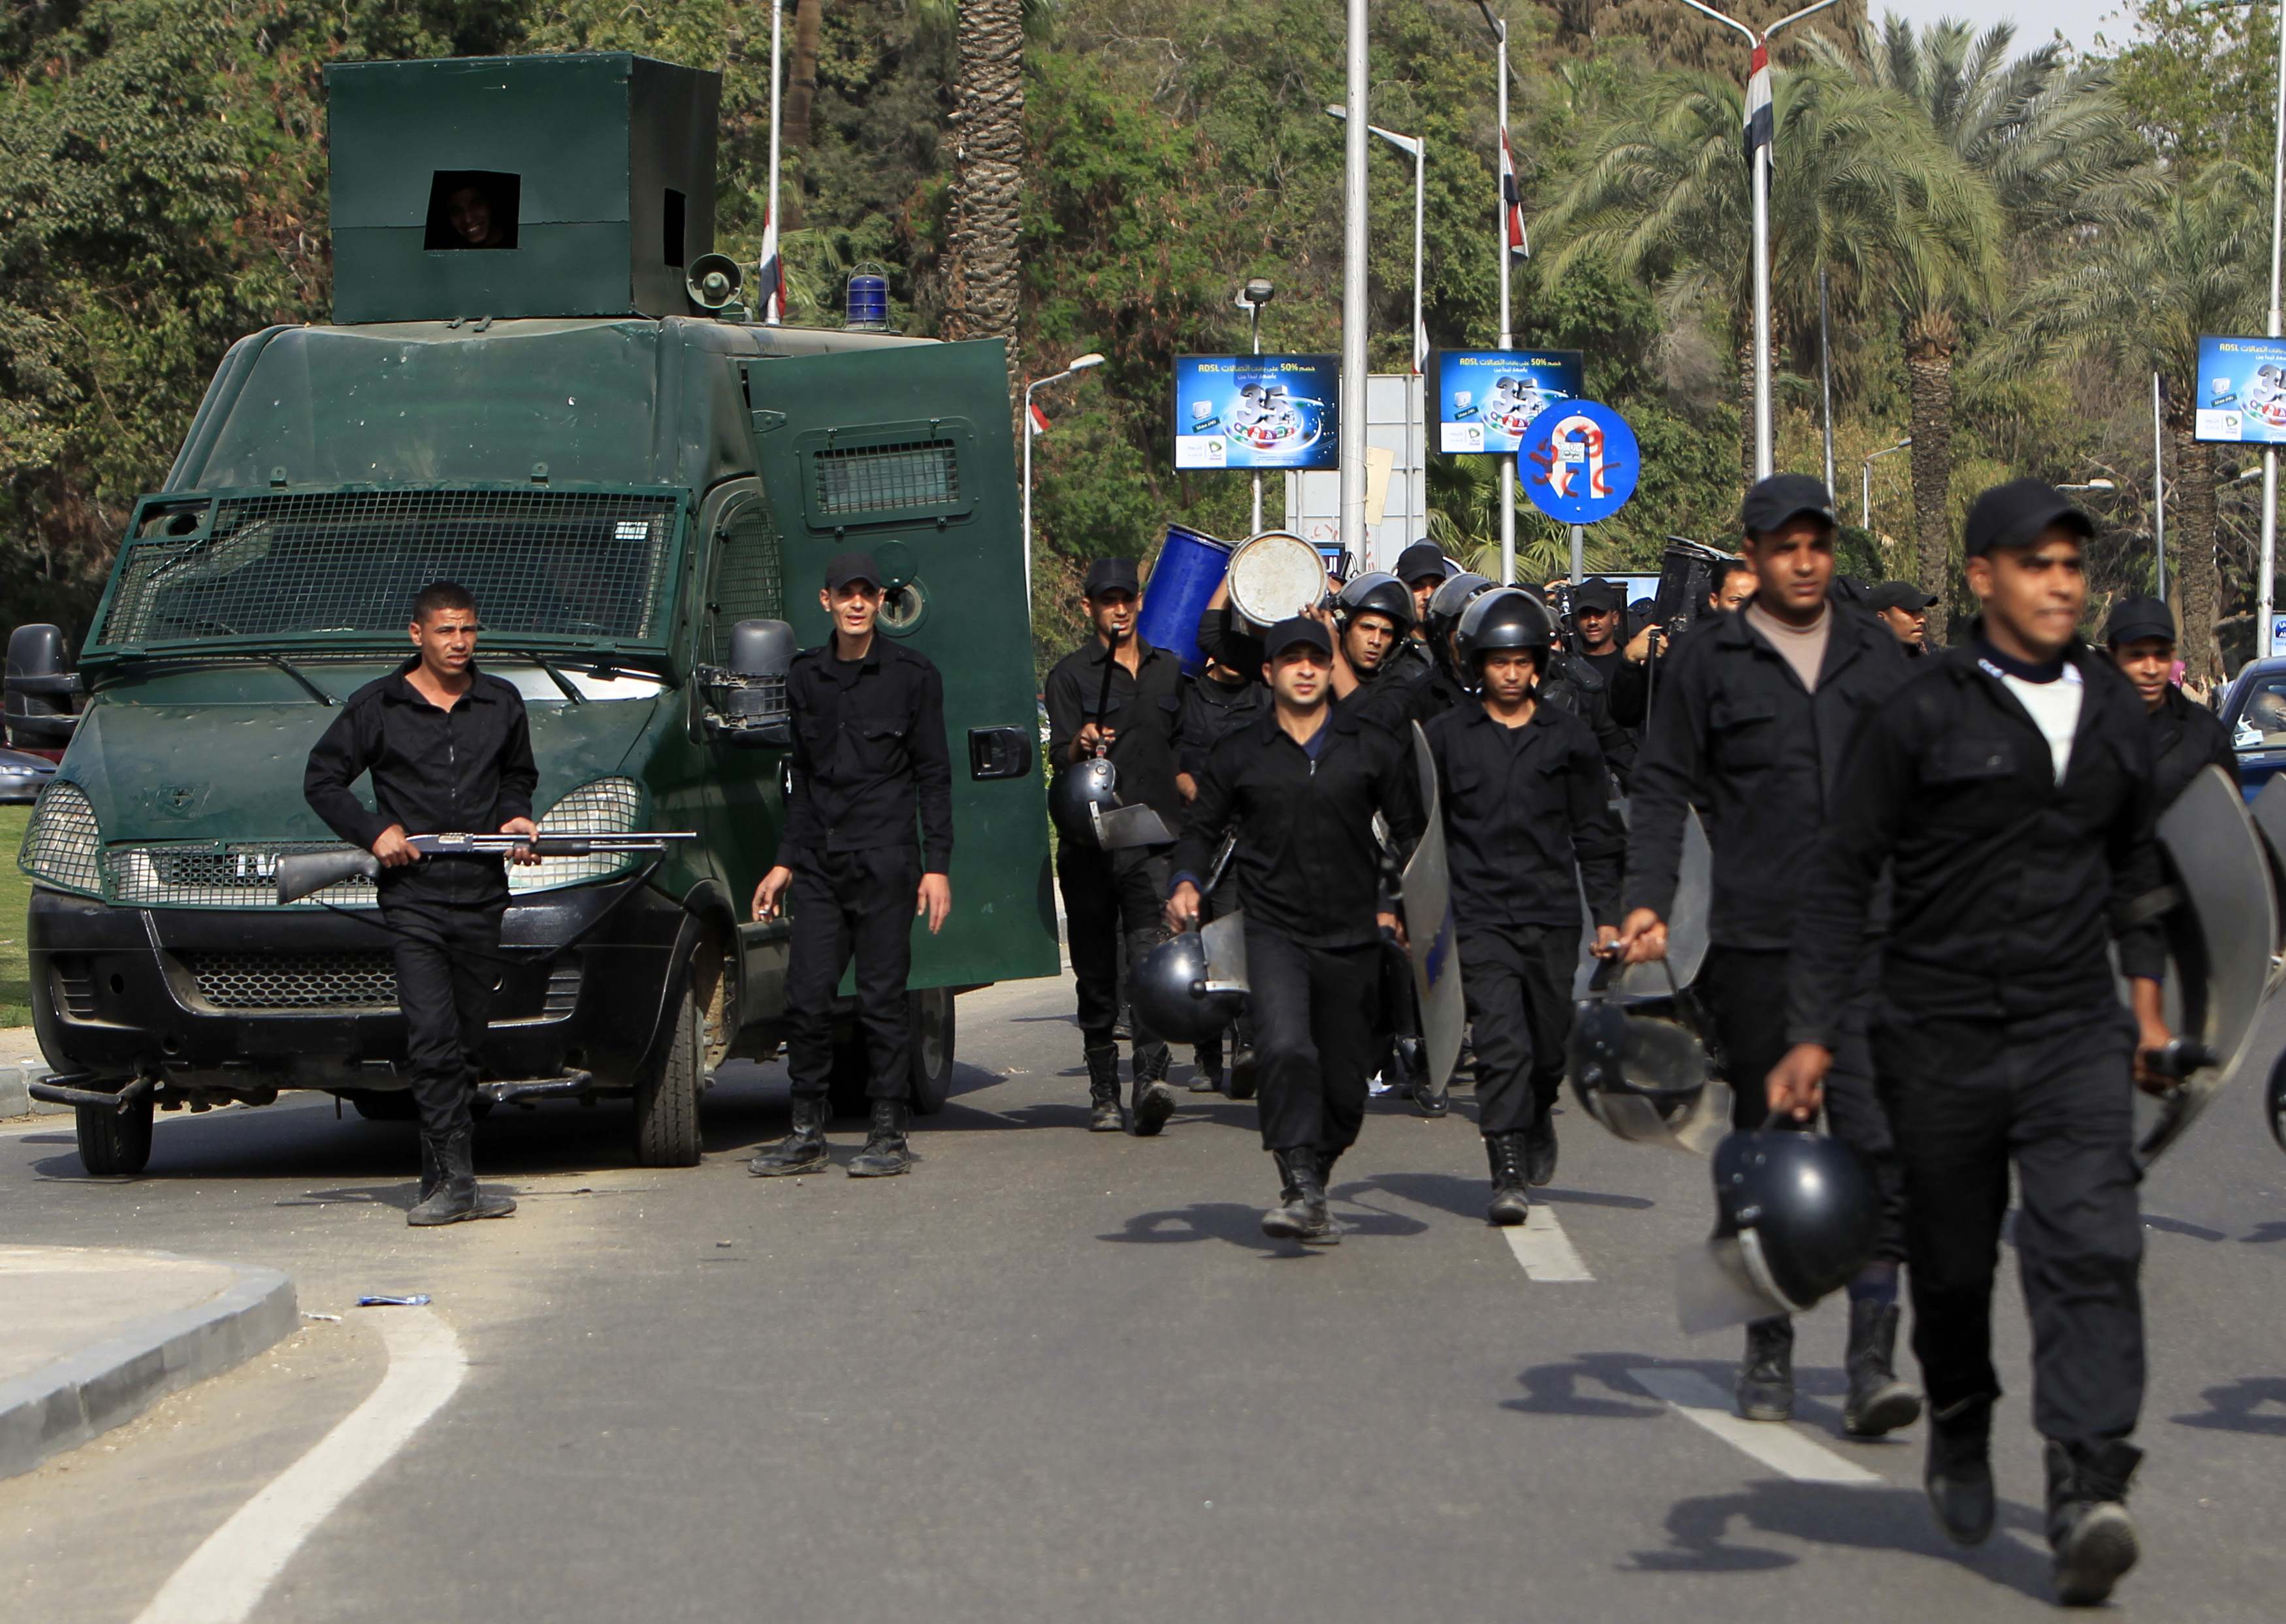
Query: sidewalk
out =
(92, 1335)
(21, 1067)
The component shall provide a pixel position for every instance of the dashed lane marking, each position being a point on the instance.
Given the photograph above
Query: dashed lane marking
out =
(1774, 1444)
(222, 1580)
(1544, 1249)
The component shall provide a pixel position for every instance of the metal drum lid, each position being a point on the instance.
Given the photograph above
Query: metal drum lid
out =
(1275, 576)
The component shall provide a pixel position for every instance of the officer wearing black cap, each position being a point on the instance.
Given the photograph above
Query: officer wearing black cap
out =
(1118, 695)
(2008, 787)
(1599, 619)
(1217, 702)
(868, 754)
(1752, 716)
(2185, 736)
(1300, 786)
(1422, 568)
(1527, 820)
(1904, 608)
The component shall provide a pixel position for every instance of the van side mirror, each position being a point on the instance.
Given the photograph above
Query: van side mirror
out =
(746, 700)
(42, 691)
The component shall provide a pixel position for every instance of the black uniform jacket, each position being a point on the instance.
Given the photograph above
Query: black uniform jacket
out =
(868, 747)
(1145, 709)
(1734, 733)
(464, 771)
(1392, 698)
(1522, 805)
(1211, 709)
(2009, 885)
(1306, 863)
(2186, 736)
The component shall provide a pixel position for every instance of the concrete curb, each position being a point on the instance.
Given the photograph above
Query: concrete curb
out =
(15, 1092)
(63, 1404)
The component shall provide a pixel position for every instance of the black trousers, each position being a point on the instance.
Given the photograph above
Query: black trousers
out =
(1108, 895)
(448, 964)
(845, 903)
(1517, 983)
(1744, 991)
(1313, 1020)
(2055, 1096)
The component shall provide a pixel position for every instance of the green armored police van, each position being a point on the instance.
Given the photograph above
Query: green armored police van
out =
(538, 383)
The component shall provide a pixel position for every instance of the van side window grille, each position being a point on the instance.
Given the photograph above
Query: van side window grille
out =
(748, 578)
(877, 478)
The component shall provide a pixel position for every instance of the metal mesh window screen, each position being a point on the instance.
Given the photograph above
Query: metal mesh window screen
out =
(871, 478)
(608, 806)
(582, 564)
(749, 577)
(62, 844)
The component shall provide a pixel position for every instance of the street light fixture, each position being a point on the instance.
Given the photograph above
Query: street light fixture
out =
(1865, 491)
(1081, 363)
(1416, 149)
(2093, 484)
(1257, 292)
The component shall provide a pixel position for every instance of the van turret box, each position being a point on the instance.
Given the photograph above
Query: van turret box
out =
(545, 186)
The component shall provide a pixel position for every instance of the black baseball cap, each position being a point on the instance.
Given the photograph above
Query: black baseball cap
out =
(1419, 562)
(1899, 595)
(2013, 515)
(847, 567)
(1597, 595)
(1112, 575)
(1782, 497)
(1288, 632)
(2135, 619)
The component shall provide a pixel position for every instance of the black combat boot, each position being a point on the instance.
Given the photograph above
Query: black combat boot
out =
(1208, 1058)
(1878, 1401)
(1766, 1377)
(801, 1151)
(432, 1173)
(456, 1196)
(1304, 1218)
(1511, 1201)
(885, 1154)
(1540, 1145)
(1245, 1074)
(1155, 1096)
(2088, 1527)
(1103, 1089)
(1959, 1476)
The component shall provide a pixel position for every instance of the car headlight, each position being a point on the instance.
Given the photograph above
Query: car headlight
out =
(608, 806)
(63, 847)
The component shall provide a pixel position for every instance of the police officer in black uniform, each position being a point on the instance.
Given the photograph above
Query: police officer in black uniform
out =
(1527, 818)
(869, 753)
(1752, 716)
(1422, 568)
(450, 752)
(2185, 735)
(1904, 608)
(1220, 700)
(1371, 619)
(1118, 693)
(2008, 787)
(1300, 786)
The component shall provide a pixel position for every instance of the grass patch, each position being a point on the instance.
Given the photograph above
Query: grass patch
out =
(15, 908)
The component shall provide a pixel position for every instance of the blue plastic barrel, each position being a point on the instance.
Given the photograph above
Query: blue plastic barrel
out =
(867, 301)
(1191, 566)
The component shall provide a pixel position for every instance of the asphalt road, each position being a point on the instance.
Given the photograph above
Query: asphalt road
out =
(1057, 1375)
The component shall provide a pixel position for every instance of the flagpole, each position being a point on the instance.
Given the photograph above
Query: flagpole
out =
(1354, 136)
(774, 311)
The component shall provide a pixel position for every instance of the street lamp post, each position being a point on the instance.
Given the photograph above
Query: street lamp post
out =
(1506, 462)
(1417, 149)
(1353, 282)
(1257, 292)
(1760, 170)
(2262, 638)
(1081, 364)
(1865, 492)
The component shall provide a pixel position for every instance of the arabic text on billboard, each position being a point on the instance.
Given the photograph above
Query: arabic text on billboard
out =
(2241, 391)
(1485, 400)
(1256, 411)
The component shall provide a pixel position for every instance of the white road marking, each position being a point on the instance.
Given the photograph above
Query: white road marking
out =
(1544, 1249)
(1775, 1444)
(224, 1578)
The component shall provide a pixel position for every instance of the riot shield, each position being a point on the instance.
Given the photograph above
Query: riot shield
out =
(1225, 941)
(1124, 826)
(2219, 937)
(1431, 934)
(1686, 925)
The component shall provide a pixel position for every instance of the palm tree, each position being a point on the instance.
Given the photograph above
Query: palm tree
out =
(2140, 297)
(802, 83)
(987, 172)
(2058, 153)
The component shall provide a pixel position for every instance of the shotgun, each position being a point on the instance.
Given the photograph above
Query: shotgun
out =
(312, 871)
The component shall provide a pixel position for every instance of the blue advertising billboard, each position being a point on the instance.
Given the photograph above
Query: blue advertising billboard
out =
(1258, 410)
(1485, 400)
(2241, 391)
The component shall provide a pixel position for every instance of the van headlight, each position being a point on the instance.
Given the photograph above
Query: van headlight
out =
(607, 806)
(63, 847)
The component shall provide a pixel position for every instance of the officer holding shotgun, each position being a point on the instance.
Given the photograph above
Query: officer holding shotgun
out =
(449, 751)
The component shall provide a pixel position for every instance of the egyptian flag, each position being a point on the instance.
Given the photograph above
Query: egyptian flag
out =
(1039, 424)
(1758, 105)
(1512, 205)
(770, 284)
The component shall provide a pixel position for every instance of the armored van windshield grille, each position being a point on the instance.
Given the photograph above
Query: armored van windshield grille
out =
(572, 563)
(877, 478)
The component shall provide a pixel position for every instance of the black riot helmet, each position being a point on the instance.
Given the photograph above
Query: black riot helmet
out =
(1445, 607)
(1378, 593)
(1505, 617)
(1796, 1215)
(1638, 1066)
(1091, 782)
(1168, 990)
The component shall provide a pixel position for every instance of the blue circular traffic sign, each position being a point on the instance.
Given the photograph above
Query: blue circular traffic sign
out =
(1579, 461)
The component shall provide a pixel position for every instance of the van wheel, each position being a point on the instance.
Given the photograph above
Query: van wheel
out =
(114, 1141)
(931, 1026)
(667, 1095)
(852, 1071)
